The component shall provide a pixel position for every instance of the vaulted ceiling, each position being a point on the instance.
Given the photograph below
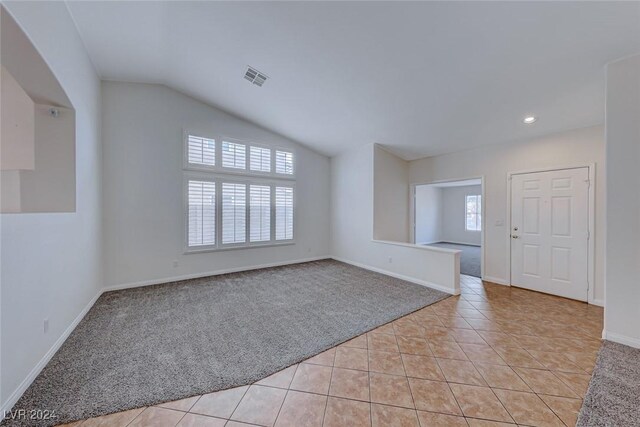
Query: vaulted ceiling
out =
(420, 78)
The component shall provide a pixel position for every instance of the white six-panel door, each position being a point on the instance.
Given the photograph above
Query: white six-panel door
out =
(550, 232)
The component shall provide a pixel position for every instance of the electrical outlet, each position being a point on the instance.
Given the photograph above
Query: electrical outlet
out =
(45, 326)
(175, 263)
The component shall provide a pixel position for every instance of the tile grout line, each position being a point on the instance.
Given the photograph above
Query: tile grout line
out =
(281, 405)
(326, 403)
(455, 399)
(413, 400)
(369, 381)
(184, 414)
(551, 409)
(239, 401)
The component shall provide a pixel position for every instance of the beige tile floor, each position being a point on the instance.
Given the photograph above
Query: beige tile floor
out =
(492, 356)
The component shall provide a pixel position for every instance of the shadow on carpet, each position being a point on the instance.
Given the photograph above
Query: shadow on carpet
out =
(144, 346)
(613, 397)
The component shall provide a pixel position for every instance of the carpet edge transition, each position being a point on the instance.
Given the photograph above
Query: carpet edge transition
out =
(331, 280)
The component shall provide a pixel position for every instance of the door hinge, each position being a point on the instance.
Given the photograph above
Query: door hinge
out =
(588, 181)
(588, 234)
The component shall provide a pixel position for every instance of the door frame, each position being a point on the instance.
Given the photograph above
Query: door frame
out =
(591, 267)
(412, 212)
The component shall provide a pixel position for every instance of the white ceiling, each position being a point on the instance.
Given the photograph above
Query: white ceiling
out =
(419, 78)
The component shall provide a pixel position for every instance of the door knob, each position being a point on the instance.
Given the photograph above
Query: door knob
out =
(513, 236)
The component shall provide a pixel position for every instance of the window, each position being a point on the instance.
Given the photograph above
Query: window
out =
(284, 162)
(284, 213)
(202, 213)
(260, 213)
(237, 194)
(234, 213)
(473, 213)
(201, 151)
(234, 155)
(259, 159)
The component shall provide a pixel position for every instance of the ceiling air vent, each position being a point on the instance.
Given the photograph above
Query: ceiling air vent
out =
(255, 76)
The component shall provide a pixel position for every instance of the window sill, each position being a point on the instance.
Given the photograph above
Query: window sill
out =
(233, 248)
(246, 173)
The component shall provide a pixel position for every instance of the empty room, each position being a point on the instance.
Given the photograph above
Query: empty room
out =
(319, 214)
(449, 215)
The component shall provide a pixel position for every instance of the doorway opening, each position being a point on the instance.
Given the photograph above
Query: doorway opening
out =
(450, 215)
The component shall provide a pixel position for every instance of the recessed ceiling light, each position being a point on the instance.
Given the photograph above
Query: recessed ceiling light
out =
(529, 120)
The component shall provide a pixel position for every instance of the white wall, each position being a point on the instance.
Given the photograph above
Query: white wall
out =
(428, 214)
(51, 263)
(10, 191)
(352, 217)
(622, 310)
(576, 147)
(453, 215)
(143, 187)
(391, 197)
(17, 143)
(50, 187)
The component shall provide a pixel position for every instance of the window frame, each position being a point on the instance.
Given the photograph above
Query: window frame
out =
(219, 236)
(187, 212)
(218, 179)
(293, 162)
(274, 213)
(271, 213)
(271, 160)
(246, 155)
(478, 213)
(248, 143)
(218, 174)
(185, 152)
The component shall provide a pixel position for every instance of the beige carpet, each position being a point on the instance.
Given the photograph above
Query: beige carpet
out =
(144, 346)
(613, 397)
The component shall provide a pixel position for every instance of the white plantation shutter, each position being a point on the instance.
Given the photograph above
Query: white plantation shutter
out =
(234, 155)
(201, 151)
(259, 159)
(202, 213)
(259, 213)
(284, 162)
(256, 209)
(284, 213)
(234, 213)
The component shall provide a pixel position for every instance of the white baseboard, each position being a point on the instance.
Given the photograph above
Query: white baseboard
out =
(209, 273)
(398, 276)
(496, 280)
(17, 393)
(621, 339)
(598, 302)
(459, 243)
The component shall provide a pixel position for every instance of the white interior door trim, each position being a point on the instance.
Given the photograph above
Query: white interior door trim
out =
(592, 210)
(412, 212)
